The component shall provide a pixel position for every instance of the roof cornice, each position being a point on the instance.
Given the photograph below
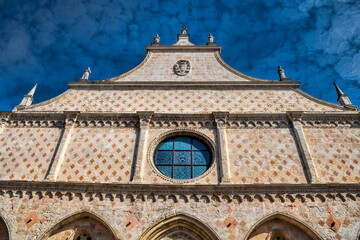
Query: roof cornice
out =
(231, 188)
(183, 84)
(184, 48)
(60, 114)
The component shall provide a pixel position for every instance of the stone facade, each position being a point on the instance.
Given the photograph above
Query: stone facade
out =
(81, 166)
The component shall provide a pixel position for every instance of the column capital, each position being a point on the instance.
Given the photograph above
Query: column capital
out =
(220, 118)
(71, 117)
(144, 118)
(295, 116)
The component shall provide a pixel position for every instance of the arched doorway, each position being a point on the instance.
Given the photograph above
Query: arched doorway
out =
(179, 227)
(281, 227)
(80, 226)
(4, 232)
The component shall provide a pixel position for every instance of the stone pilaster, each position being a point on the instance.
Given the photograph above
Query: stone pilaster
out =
(308, 163)
(64, 140)
(142, 146)
(221, 138)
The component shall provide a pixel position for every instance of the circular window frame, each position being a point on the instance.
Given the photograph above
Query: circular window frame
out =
(181, 133)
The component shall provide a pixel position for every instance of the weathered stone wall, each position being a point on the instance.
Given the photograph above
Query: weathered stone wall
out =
(278, 227)
(260, 151)
(78, 227)
(183, 101)
(99, 155)
(159, 66)
(231, 216)
(25, 153)
(264, 156)
(336, 153)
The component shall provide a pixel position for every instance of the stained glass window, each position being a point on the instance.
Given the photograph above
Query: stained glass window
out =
(182, 157)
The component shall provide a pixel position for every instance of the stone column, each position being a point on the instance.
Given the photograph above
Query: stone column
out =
(308, 163)
(142, 146)
(61, 148)
(222, 146)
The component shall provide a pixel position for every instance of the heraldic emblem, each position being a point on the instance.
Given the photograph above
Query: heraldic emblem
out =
(182, 67)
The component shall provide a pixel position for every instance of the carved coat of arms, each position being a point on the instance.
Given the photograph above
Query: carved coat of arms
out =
(182, 67)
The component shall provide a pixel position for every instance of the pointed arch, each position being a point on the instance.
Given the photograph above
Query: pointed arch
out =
(180, 224)
(276, 221)
(81, 219)
(4, 229)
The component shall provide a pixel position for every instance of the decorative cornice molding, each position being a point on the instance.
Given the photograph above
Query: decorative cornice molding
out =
(181, 120)
(309, 121)
(267, 84)
(190, 48)
(38, 123)
(107, 122)
(205, 193)
(264, 122)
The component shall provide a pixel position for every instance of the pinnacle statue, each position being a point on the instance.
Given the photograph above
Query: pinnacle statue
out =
(86, 74)
(157, 38)
(183, 30)
(281, 72)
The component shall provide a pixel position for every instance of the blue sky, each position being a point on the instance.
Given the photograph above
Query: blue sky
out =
(51, 42)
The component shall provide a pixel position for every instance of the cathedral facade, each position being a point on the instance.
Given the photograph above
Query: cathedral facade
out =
(181, 147)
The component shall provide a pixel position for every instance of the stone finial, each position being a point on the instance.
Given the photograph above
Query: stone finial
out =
(211, 38)
(183, 30)
(343, 99)
(28, 98)
(282, 75)
(183, 38)
(157, 38)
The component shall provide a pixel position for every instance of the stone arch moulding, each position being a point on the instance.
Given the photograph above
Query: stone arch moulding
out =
(75, 216)
(180, 223)
(3, 224)
(83, 230)
(182, 132)
(286, 218)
